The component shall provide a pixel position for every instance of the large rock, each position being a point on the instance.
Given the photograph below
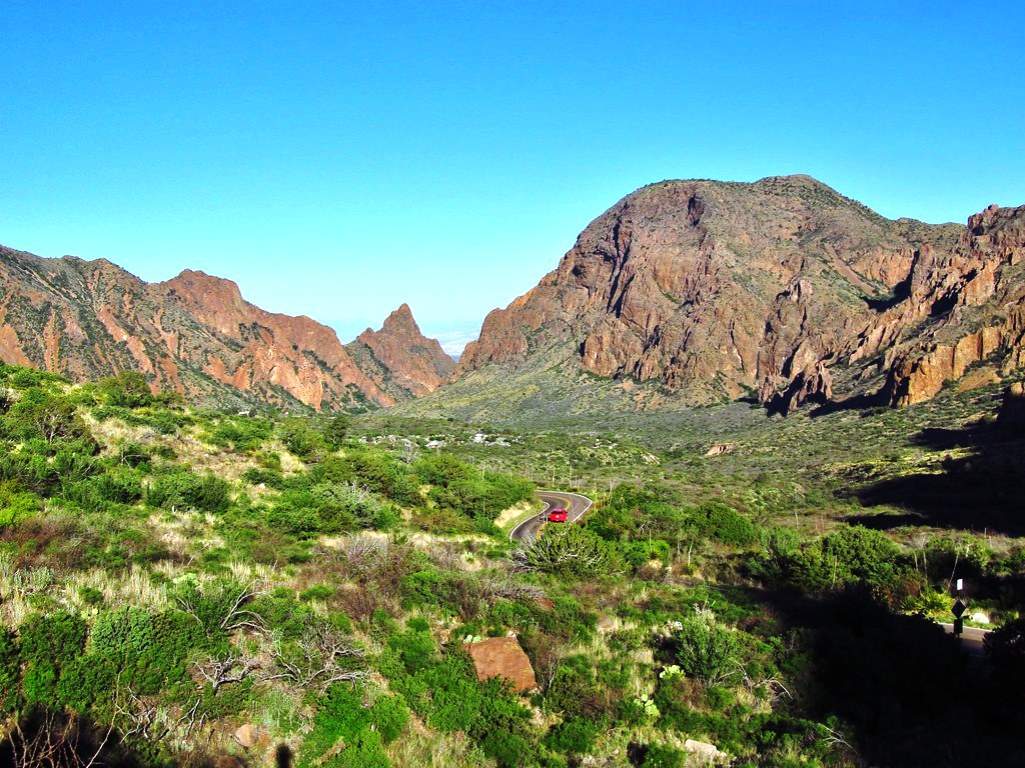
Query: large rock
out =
(503, 657)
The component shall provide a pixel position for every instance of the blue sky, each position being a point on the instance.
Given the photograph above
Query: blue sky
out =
(338, 159)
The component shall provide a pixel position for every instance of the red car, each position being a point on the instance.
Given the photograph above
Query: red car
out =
(557, 515)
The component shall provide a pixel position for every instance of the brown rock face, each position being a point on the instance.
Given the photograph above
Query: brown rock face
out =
(194, 334)
(503, 657)
(400, 359)
(966, 309)
(713, 289)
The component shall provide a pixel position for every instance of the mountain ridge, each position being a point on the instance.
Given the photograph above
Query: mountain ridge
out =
(193, 333)
(719, 290)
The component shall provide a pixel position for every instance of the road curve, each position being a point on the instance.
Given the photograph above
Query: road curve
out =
(575, 504)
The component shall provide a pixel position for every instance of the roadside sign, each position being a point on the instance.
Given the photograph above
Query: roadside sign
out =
(959, 608)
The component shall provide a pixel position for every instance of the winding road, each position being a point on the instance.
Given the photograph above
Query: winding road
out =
(575, 504)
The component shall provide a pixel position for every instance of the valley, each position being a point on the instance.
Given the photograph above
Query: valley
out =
(782, 427)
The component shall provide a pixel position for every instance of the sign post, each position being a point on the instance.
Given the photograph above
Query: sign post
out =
(958, 609)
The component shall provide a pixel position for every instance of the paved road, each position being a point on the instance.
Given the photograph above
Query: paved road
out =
(575, 504)
(972, 640)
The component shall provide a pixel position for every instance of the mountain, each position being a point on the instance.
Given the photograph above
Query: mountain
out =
(781, 290)
(400, 359)
(193, 334)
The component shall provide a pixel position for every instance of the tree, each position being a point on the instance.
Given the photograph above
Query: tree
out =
(336, 429)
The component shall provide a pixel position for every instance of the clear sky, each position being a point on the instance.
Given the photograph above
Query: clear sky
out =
(338, 159)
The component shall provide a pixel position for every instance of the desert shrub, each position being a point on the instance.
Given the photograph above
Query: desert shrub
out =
(633, 512)
(389, 716)
(187, 490)
(301, 439)
(16, 504)
(240, 434)
(467, 490)
(1006, 650)
(847, 556)
(575, 736)
(575, 690)
(128, 389)
(283, 614)
(40, 414)
(570, 550)
(342, 719)
(329, 508)
(272, 478)
(704, 648)
(374, 470)
(335, 429)
(49, 644)
(148, 649)
(10, 668)
(723, 523)
(663, 756)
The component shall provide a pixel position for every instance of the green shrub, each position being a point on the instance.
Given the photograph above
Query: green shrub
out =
(663, 756)
(725, 524)
(16, 504)
(183, 489)
(10, 667)
(389, 716)
(704, 648)
(301, 439)
(149, 649)
(574, 736)
(343, 719)
(570, 550)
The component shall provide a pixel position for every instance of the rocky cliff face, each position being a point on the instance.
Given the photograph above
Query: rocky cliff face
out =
(194, 334)
(717, 290)
(400, 359)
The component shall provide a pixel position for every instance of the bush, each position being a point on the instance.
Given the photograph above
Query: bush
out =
(663, 756)
(300, 438)
(330, 508)
(10, 667)
(343, 719)
(149, 649)
(725, 524)
(16, 504)
(49, 644)
(575, 736)
(570, 550)
(186, 490)
(705, 649)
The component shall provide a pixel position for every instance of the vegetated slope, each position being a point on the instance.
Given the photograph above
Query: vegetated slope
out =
(400, 359)
(194, 334)
(188, 587)
(711, 291)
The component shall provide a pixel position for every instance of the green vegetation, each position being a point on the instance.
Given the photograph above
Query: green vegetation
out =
(199, 584)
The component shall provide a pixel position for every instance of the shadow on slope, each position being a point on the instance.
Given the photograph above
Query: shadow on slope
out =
(907, 693)
(982, 490)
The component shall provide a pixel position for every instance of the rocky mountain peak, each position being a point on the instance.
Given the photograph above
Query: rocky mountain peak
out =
(400, 359)
(717, 290)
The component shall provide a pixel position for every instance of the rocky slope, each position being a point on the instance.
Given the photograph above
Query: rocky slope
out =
(194, 334)
(400, 359)
(781, 289)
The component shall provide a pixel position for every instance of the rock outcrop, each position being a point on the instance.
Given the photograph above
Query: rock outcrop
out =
(503, 657)
(713, 291)
(193, 334)
(400, 359)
